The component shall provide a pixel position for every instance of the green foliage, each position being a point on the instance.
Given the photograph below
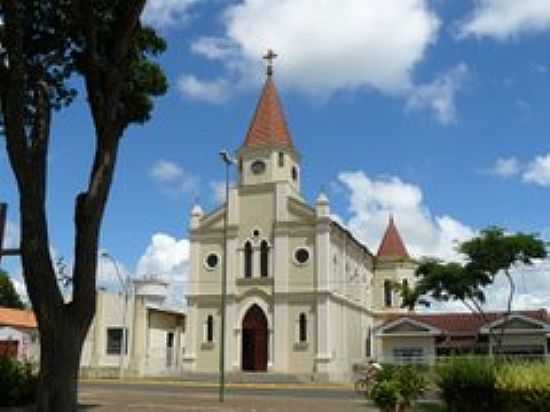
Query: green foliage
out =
(8, 295)
(492, 252)
(483, 385)
(524, 387)
(400, 384)
(468, 384)
(55, 50)
(385, 395)
(18, 383)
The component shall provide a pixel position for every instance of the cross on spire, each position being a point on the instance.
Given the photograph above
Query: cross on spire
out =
(269, 57)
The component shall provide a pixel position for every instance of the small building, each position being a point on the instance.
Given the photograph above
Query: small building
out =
(426, 337)
(138, 336)
(18, 334)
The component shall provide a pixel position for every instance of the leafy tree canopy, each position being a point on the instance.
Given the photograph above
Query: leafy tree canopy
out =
(486, 256)
(9, 297)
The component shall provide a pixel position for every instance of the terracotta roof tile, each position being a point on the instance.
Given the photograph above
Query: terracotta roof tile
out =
(392, 245)
(466, 323)
(268, 126)
(17, 318)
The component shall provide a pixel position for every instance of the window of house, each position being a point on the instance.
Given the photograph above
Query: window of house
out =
(264, 259)
(408, 355)
(248, 260)
(302, 336)
(388, 293)
(281, 159)
(115, 337)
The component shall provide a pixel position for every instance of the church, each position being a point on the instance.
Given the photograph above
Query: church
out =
(303, 294)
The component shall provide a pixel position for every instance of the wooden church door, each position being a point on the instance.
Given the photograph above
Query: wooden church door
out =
(254, 344)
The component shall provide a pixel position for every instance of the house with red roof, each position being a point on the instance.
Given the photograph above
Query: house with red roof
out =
(417, 337)
(18, 334)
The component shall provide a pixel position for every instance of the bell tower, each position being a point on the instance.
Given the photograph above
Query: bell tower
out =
(268, 154)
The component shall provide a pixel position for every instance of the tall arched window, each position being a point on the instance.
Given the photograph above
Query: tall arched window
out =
(303, 327)
(387, 293)
(210, 328)
(264, 259)
(247, 260)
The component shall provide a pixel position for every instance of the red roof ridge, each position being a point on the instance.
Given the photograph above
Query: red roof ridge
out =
(392, 244)
(268, 126)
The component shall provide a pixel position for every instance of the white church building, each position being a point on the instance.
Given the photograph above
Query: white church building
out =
(303, 294)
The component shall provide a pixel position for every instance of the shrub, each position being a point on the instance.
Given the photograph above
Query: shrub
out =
(17, 383)
(385, 395)
(412, 385)
(524, 387)
(468, 384)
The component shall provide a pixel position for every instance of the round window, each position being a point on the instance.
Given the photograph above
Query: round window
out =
(258, 167)
(301, 255)
(212, 261)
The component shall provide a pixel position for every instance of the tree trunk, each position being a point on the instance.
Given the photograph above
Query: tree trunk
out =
(60, 349)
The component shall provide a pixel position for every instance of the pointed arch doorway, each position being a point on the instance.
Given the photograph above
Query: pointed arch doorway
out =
(254, 344)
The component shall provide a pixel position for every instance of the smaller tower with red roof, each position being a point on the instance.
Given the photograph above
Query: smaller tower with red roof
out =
(393, 265)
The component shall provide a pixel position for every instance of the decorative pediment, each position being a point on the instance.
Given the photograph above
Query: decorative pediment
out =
(407, 326)
(517, 323)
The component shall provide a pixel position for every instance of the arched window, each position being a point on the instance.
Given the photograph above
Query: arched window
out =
(281, 159)
(303, 328)
(387, 293)
(264, 259)
(247, 260)
(294, 174)
(210, 328)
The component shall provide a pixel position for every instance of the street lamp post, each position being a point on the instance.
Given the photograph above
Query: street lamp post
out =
(228, 161)
(124, 284)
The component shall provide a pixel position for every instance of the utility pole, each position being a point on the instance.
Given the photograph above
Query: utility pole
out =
(3, 218)
(228, 161)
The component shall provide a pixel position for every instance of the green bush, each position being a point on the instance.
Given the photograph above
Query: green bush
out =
(468, 384)
(402, 385)
(524, 387)
(17, 383)
(385, 395)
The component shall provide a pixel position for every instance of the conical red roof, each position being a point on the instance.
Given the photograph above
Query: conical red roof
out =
(392, 245)
(268, 126)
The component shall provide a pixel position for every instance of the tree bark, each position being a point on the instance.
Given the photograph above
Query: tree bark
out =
(59, 364)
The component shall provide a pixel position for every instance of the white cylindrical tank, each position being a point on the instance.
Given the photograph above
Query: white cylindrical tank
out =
(152, 289)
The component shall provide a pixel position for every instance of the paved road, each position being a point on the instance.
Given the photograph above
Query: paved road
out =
(275, 391)
(161, 397)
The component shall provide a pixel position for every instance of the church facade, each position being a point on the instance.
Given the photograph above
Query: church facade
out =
(303, 294)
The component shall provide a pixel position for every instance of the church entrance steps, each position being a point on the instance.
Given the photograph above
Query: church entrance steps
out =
(249, 377)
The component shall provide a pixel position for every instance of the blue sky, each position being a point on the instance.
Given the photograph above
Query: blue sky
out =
(437, 111)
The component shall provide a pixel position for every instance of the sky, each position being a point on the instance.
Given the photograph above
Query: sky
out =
(436, 111)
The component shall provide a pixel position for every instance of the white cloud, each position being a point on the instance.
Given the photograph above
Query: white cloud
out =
(168, 258)
(174, 179)
(440, 94)
(211, 91)
(503, 19)
(506, 167)
(163, 13)
(379, 49)
(538, 171)
(373, 200)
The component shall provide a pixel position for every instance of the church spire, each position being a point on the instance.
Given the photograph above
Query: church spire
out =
(268, 126)
(392, 245)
